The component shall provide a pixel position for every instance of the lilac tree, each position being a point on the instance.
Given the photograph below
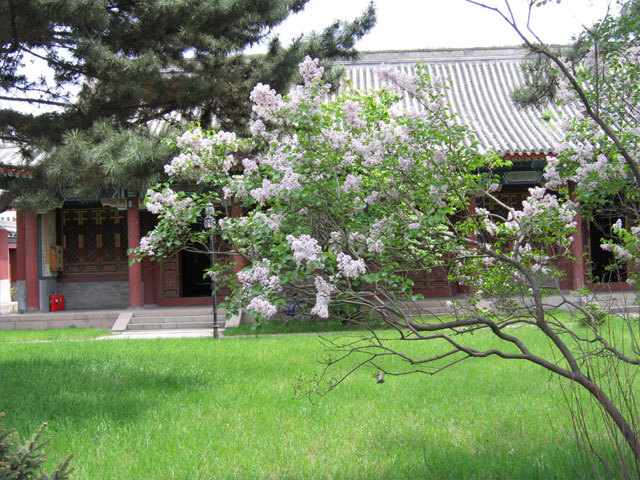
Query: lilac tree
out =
(600, 159)
(346, 200)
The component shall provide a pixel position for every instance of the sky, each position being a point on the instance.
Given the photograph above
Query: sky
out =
(423, 24)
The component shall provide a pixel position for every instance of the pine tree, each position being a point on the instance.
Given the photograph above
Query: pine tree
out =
(22, 462)
(111, 66)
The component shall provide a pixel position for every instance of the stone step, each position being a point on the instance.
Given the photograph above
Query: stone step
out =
(173, 312)
(66, 318)
(174, 319)
(173, 325)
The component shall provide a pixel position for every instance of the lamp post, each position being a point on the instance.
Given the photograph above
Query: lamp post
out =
(209, 224)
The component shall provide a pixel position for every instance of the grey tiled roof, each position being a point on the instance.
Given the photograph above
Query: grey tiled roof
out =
(479, 93)
(12, 163)
(10, 155)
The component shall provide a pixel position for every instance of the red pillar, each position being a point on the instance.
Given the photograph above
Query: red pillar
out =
(133, 237)
(148, 267)
(4, 255)
(576, 266)
(32, 272)
(5, 287)
(20, 275)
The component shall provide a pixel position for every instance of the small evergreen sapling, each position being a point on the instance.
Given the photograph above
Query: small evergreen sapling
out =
(22, 462)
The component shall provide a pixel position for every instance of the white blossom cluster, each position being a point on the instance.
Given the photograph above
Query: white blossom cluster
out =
(310, 70)
(167, 202)
(260, 274)
(398, 80)
(305, 249)
(350, 267)
(261, 305)
(536, 208)
(323, 297)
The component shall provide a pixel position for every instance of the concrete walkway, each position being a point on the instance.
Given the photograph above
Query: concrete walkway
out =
(166, 333)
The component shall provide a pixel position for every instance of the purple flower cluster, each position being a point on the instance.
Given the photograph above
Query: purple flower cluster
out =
(305, 249)
(323, 297)
(349, 267)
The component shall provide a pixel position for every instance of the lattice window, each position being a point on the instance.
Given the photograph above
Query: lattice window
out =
(92, 240)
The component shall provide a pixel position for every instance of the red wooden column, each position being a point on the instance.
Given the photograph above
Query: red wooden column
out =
(20, 274)
(32, 271)
(133, 241)
(149, 268)
(576, 266)
(5, 287)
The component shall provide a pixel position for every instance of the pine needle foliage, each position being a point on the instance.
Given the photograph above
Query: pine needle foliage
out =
(71, 68)
(23, 462)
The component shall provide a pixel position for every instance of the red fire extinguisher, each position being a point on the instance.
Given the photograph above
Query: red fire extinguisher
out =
(56, 302)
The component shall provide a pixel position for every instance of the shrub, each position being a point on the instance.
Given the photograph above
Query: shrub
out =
(22, 462)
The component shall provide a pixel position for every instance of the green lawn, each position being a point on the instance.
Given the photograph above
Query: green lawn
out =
(197, 409)
(52, 334)
(296, 326)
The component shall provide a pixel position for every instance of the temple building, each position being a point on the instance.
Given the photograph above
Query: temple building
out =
(79, 249)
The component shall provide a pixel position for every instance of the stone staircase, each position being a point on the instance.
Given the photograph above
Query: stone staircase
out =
(181, 318)
(62, 319)
(177, 318)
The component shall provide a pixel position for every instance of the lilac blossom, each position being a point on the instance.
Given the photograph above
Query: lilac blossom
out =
(355, 237)
(617, 226)
(552, 174)
(536, 207)
(168, 203)
(264, 193)
(485, 218)
(564, 92)
(337, 138)
(148, 244)
(196, 140)
(305, 249)
(224, 138)
(273, 221)
(589, 174)
(310, 70)
(375, 245)
(262, 306)
(250, 166)
(398, 80)
(349, 267)
(323, 297)
(621, 253)
(266, 101)
(352, 110)
(290, 181)
(405, 164)
(352, 183)
(260, 274)
(182, 163)
(372, 197)
(258, 128)
(335, 238)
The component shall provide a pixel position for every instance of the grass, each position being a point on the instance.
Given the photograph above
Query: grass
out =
(296, 326)
(194, 408)
(52, 334)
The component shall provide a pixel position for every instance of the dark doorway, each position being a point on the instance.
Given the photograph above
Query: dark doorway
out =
(603, 264)
(192, 267)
